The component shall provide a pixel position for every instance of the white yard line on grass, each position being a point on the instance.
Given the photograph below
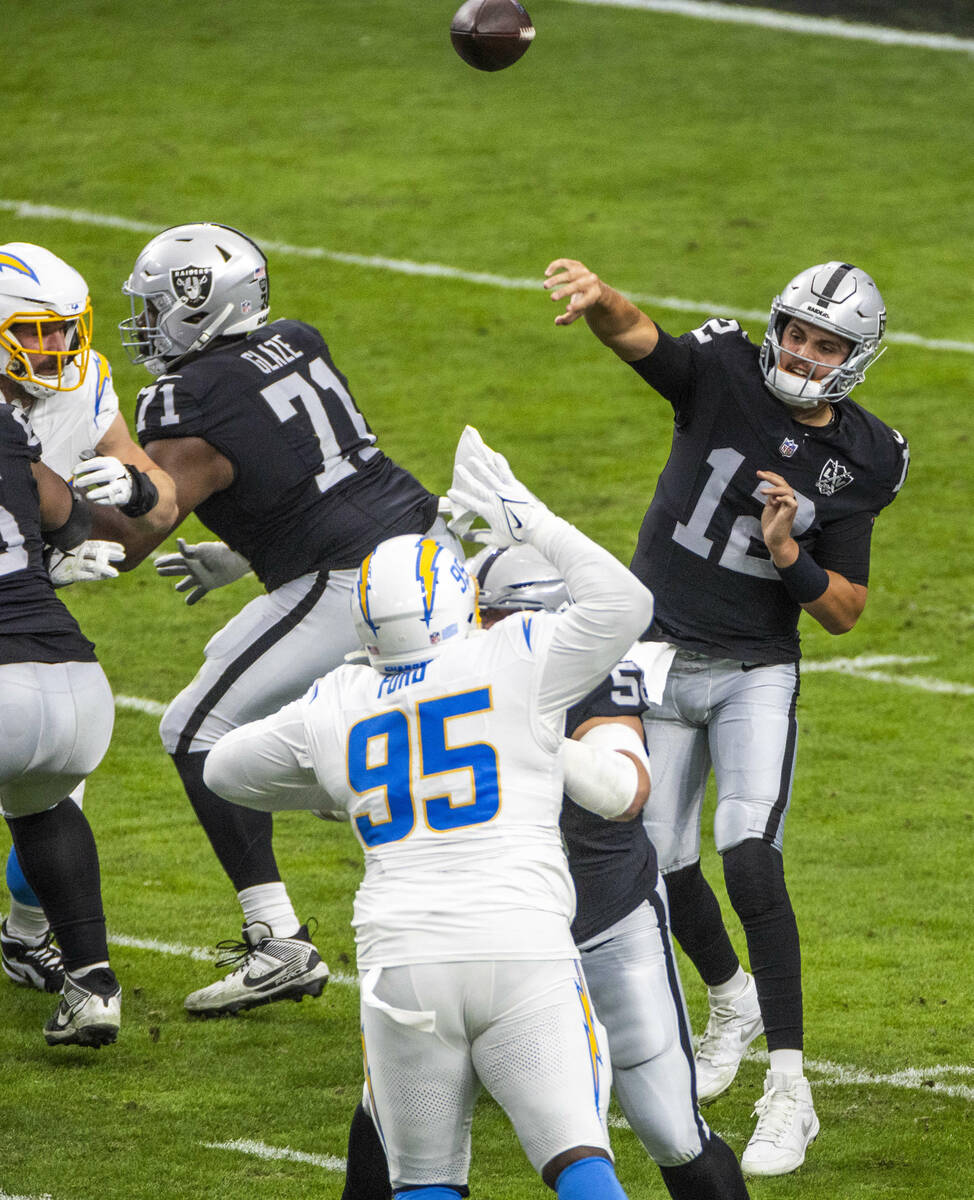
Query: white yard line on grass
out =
(261, 1150)
(862, 667)
(766, 18)
(822, 1071)
(46, 212)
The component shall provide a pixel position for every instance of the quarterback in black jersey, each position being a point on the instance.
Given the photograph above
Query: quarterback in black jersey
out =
(55, 725)
(765, 507)
(258, 429)
(620, 928)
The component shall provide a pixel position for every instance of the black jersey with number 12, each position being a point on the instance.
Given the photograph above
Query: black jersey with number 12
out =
(700, 547)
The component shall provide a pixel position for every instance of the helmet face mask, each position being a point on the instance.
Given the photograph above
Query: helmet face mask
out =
(844, 301)
(518, 579)
(189, 285)
(45, 322)
(412, 597)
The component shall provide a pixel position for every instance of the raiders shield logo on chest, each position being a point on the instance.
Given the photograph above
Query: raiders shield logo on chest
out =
(833, 476)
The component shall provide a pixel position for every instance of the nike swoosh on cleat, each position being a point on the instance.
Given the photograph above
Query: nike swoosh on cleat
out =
(258, 981)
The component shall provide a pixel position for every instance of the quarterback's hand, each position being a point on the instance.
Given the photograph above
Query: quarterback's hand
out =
(85, 563)
(484, 484)
(571, 280)
(778, 514)
(104, 480)
(204, 566)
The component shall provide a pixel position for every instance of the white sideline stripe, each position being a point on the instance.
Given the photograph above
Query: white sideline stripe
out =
(46, 212)
(792, 23)
(152, 707)
(861, 668)
(261, 1150)
(832, 1074)
(7, 1196)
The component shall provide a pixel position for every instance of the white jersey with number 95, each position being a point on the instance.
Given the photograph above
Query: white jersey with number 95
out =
(454, 787)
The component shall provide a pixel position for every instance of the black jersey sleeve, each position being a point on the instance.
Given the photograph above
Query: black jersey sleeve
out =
(668, 370)
(672, 369)
(844, 547)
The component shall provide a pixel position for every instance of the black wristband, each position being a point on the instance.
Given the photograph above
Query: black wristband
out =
(144, 494)
(805, 579)
(75, 529)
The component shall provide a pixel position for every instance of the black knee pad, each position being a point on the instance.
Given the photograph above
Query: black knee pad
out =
(755, 877)
(715, 1174)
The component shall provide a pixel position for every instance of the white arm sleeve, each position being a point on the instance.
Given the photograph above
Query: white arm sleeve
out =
(597, 776)
(612, 608)
(266, 765)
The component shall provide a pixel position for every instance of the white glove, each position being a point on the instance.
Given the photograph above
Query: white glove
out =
(87, 562)
(204, 566)
(104, 480)
(485, 485)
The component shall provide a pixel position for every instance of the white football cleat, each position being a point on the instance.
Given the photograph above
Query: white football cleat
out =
(732, 1027)
(90, 1011)
(38, 966)
(271, 968)
(787, 1126)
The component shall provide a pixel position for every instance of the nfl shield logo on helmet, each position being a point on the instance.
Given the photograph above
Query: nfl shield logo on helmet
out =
(833, 477)
(788, 448)
(192, 285)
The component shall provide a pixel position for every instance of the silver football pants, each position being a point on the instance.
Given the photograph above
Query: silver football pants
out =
(737, 719)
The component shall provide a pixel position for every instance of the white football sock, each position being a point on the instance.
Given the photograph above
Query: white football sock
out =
(270, 904)
(27, 922)
(732, 988)
(787, 1062)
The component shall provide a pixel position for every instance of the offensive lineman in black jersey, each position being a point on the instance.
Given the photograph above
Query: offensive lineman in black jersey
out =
(55, 725)
(765, 507)
(267, 446)
(620, 928)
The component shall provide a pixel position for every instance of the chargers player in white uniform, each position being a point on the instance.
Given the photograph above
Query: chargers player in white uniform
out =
(49, 370)
(446, 753)
(620, 926)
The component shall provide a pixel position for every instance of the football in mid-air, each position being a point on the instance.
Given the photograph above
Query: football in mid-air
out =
(491, 34)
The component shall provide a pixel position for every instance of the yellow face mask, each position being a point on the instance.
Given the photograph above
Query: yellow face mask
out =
(47, 349)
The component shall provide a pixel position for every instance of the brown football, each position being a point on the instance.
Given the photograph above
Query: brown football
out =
(491, 34)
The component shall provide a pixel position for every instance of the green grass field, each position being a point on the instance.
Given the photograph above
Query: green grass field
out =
(405, 200)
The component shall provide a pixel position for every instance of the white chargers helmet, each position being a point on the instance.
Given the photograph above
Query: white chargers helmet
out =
(842, 299)
(40, 293)
(516, 578)
(191, 284)
(412, 597)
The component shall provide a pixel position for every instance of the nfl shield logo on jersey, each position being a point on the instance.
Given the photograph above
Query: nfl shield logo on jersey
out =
(833, 477)
(787, 447)
(192, 284)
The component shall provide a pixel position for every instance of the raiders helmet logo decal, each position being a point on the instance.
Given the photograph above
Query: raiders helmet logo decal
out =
(192, 285)
(833, 477)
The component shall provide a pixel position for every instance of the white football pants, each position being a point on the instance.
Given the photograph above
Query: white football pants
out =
(56, 722)
(432, 1033)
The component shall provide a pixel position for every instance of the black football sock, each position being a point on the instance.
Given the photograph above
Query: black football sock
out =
(366, 1172)
(713, 1175)
(696, 923)
(58, 856)
(242, 838)
(755, 878)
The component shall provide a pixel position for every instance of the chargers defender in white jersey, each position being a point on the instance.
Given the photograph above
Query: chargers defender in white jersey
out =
(49, 370)
(446, 752)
